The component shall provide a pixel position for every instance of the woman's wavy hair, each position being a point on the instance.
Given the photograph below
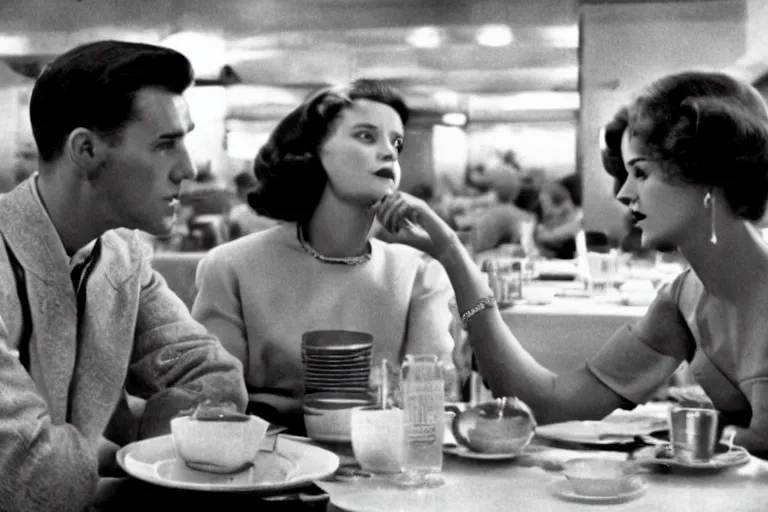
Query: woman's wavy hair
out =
(610, 148)
(288, 168)
(705, 128)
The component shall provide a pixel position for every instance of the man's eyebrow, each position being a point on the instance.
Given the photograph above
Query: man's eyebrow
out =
(177, 134)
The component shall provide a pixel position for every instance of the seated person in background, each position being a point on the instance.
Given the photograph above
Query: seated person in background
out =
(558, 222)
(243, 220)
(323, 171)
(694, 149)
(500, 224)
(83, 317)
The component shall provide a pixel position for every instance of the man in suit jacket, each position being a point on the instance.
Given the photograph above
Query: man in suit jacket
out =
(83, 317)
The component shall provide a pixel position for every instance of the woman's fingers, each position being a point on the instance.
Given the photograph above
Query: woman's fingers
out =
(391, 213)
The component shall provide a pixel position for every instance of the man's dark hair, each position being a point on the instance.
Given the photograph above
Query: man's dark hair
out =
(93, 86)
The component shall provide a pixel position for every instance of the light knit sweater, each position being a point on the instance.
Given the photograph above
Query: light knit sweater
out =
(260, 293)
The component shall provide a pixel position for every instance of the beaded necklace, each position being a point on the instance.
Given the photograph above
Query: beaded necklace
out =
(352, 260)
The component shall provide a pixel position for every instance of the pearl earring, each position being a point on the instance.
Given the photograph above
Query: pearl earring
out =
(709, 202)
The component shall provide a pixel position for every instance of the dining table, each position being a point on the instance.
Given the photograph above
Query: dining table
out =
(533, 481)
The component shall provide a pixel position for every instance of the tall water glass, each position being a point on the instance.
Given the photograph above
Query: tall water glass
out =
(423, 400)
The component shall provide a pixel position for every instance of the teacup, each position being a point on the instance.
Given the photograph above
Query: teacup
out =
(218, 446)
(693, 433)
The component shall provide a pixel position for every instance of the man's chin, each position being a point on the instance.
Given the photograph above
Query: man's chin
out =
(162, 229)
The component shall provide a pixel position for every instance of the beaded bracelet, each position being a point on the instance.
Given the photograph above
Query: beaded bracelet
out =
(481, 304)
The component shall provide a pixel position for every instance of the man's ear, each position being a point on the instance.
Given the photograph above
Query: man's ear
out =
(87, 150)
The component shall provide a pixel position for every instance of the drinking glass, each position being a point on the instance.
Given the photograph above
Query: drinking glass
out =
(693, 432)
(378, 440)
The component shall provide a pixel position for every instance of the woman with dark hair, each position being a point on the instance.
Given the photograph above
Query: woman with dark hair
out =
(558, 220)
(695, 153)
(323, 172)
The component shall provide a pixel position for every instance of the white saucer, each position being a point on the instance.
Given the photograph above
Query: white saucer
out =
(562, 489)
(737, 456)
(463, 451)
(293, 464)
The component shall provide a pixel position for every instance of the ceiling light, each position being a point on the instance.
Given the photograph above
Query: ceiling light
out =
(446, 98)
(13, 45)
(205, 51)
(424, 37)
(455, 119)
(561, 36)
(529, 100)
(494, 35)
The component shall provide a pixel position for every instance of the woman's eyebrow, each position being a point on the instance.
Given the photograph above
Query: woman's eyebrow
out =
(637, 159)
(366, 125)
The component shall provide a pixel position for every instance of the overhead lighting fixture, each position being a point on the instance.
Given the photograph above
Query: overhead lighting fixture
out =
(561, 36)
(425, 37)
(447, 99)
(494, 35)
(455, 119)
(205, 51)
(526, 101)
(14, 45)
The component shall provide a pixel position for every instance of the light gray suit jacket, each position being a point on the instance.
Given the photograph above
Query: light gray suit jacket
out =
(135, 335)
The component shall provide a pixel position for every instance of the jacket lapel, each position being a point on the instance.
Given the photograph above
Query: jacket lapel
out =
(36, 244)
(106, 340)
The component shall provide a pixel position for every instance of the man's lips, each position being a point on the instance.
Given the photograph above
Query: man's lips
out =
(637, 216)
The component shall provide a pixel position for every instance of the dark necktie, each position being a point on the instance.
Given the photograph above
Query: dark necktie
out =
(82, 270)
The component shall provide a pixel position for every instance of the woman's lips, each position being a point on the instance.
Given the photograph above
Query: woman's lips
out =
(385, 173)
(637, 217)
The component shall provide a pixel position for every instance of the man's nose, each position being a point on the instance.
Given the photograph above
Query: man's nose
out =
(185, 169)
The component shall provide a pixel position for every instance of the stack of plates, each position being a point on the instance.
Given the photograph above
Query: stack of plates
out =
(336, 361)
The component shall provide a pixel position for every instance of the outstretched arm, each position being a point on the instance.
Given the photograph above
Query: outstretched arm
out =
(508, 368)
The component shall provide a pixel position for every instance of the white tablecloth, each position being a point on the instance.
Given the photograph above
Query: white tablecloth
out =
(525, 484)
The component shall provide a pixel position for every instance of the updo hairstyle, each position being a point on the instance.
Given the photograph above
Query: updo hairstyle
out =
(705, 129)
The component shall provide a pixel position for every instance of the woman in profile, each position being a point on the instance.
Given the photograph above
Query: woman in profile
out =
(695, 150)
(323, 172)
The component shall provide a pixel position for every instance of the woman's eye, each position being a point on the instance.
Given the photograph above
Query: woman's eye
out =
(639, 174)
(366, 136)
(398, 145)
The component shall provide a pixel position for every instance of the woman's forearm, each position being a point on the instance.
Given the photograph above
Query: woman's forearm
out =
(753, 442)
(504, 363)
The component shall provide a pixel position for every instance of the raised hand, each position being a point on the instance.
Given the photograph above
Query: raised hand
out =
(412, 219)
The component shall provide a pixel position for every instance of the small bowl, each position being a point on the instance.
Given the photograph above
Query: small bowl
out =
(497, 427)
(601, 477)
(218, 446)
(328, 416)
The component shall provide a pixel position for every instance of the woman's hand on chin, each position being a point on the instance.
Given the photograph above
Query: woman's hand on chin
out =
(410, 217)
